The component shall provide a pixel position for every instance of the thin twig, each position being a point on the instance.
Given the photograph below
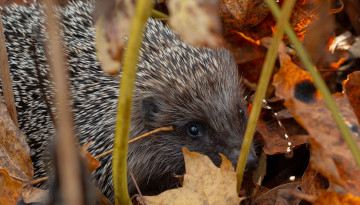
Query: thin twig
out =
(68, 163)
(136, 185)
(161, 129)
(36, 181)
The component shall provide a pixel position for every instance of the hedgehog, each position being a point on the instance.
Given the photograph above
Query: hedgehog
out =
(196, 90)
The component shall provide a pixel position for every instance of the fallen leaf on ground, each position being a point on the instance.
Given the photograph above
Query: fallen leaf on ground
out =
(10, 190)
(330, 154)
(278, 195)
(313, 182)
(352, 91)
(242, 14)
(273, 133)
(304, 13)
(204, 183)
(14, 151)
(243, 49)
(335, 198)
(252, 20)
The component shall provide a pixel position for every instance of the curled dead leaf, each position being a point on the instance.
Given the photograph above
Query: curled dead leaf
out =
(204, 183)
(330, 154)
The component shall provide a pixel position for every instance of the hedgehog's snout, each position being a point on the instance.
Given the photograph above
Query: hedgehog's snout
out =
(251, 162)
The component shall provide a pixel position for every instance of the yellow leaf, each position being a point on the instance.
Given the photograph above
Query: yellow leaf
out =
(204, 183)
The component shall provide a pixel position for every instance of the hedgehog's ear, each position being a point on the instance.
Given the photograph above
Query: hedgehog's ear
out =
(150, 107)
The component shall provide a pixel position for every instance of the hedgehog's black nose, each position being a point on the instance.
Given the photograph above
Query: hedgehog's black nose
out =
(251, 162)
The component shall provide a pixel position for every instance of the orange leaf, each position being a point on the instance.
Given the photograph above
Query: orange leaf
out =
(10, 190)
(330, 154)
(90, 162)
(334, 198)
(352, 91)
(14, 152)
(204, 183)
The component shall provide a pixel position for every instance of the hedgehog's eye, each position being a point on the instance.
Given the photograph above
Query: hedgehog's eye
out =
(241, 111)
(194, 129)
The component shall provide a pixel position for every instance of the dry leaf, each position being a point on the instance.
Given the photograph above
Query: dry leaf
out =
(112, 25)
(273, 135)
(263, 29)
(313, 182)
(304, 13)
(330, 154)
(90, 162)
(10, 190)
(248, 54)
(244, 49)
(241, 14)
(34, 195)
(204, 183)
(14, 152)
(276, 194)
(352, 91)
(196, 21)
(334, 198)
(317, 39)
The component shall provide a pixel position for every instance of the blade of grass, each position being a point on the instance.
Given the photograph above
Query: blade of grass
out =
(265, 75)
(319, 83)
(142, 12)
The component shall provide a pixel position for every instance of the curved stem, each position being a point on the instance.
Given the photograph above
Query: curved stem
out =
(143, 11)
(261, 90)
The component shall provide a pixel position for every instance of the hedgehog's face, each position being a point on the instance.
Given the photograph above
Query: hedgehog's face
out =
(207, 112)
(201, 125)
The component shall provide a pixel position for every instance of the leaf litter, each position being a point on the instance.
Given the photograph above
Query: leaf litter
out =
(331, 166)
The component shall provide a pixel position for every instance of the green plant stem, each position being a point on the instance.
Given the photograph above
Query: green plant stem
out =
(320, 84)
(158, 14)
(142, 12)
(261, 90)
